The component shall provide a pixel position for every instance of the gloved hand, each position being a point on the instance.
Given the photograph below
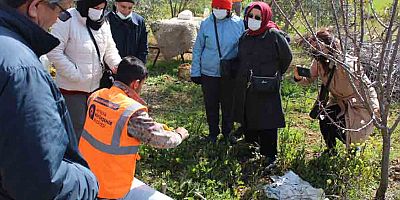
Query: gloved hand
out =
(196, 80)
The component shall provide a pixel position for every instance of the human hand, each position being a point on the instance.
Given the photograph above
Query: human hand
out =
(182, 132)
(196, 80)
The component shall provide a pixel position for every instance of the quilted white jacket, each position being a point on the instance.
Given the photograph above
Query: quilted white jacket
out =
(75, 59)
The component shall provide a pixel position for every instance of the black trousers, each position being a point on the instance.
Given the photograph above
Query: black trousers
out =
(218, 93)
(267, 139)
(329, 130)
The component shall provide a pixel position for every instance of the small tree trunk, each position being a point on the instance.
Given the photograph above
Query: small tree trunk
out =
(383, 185)
(171, 7)
(291, 15)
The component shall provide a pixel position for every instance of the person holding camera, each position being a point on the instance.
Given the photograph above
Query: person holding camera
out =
(342, 114)
(264, 56)
(216, 44)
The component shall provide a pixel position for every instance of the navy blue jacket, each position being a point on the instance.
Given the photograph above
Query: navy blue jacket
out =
(39, 156)
(129, 35)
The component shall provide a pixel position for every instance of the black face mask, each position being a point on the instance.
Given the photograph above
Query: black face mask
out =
(96, 25)
(83, 9)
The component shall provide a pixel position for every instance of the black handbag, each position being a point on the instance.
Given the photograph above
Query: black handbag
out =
(107, 79)
(265, 84)
(323, 96)
(227, 66)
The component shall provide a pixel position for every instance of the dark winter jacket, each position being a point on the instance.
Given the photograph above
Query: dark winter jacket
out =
(129, 35)
(38, 149)
(265, 55)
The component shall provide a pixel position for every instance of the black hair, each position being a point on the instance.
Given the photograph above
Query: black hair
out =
(131, 69)
(15, 3)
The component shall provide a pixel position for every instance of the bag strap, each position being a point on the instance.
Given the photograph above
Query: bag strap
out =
(331, 72)
(97, 48)
(216, 36)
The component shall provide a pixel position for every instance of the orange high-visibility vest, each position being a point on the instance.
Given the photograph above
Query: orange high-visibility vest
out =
(105, 143)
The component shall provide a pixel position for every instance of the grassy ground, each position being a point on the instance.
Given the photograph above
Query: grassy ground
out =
(198, 170)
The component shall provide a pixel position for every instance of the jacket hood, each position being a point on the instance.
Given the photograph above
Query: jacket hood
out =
(40, 41)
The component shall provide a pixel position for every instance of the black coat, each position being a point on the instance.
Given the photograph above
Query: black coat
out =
(130, 36)
(264, 54)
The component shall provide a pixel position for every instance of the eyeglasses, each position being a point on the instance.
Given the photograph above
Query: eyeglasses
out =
(64, 14)
(257, 17)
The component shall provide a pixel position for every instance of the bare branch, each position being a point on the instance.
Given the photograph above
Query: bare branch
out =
(385, 51)
(337, 25)
(390, 84)
(371, 3)
(396, 123)
(343, 128)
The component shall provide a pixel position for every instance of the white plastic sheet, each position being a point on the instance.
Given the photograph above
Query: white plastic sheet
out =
(292, 187)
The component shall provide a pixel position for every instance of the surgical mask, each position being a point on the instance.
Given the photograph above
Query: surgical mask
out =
(123, 17)
(254, 24)
(95, 14)
(220, 13)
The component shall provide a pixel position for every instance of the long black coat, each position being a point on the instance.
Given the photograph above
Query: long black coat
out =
(130, 36)
(264, 54)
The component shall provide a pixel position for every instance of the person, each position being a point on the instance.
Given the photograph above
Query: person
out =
(116, 124)
(38, 148)
(206, 64)
(263, 52)
(128, 30)
(79, 67)
(345, 108)
(237, 6)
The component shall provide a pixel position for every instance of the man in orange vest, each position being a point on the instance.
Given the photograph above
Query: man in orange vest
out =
(117, 123)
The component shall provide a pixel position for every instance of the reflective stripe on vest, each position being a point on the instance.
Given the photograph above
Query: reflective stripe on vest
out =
(114, 148)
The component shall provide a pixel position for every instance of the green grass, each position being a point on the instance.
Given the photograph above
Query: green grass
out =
(197, 170)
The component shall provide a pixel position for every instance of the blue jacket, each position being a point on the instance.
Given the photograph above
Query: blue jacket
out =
(205, 51)
(130, 36)
(38, 149)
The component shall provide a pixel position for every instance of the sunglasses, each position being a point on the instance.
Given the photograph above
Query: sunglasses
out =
(256, 17)
(64, 14)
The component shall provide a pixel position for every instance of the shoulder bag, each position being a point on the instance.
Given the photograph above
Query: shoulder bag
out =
(107, 79)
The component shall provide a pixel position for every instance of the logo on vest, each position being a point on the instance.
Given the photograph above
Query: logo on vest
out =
(92, 110)
(99, 116)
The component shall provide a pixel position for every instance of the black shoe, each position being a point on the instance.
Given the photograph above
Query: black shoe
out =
(330, 152)
(210, 139)
(239, 132)
(230, 139)
(270, 163)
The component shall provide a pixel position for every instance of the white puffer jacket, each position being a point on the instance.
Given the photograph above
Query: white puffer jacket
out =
(75, 59)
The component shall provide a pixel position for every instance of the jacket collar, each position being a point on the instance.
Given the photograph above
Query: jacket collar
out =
(40, 41)
(130, 92)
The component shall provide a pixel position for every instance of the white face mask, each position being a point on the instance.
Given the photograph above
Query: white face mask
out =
(254, 24)
(220, 13)
(95, 14)
(123, 17)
